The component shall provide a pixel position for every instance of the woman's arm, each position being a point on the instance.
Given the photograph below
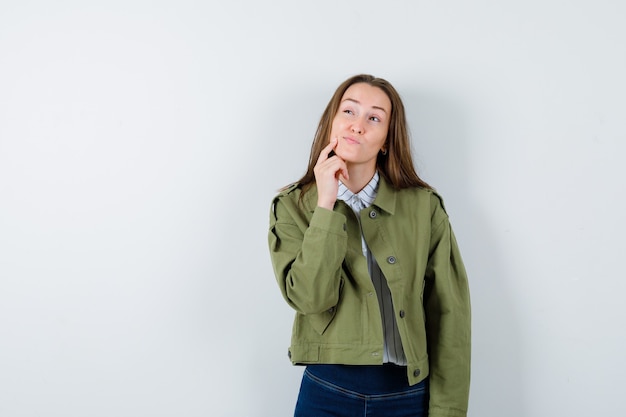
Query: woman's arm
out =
(307, 254)
(448, 321)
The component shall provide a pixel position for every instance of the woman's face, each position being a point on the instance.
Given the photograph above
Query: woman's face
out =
(361, 124)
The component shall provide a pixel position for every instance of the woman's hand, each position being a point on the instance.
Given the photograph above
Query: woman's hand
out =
(327, 172)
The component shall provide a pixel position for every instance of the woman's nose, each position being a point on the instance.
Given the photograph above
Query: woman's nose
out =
(357, 128)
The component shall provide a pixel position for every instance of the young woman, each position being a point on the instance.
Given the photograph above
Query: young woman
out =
(363, 250)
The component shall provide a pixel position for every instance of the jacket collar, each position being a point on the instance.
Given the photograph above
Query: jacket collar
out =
(386, 197)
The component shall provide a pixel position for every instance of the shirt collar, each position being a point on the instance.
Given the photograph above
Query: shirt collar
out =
(366, 195)
(386, 197)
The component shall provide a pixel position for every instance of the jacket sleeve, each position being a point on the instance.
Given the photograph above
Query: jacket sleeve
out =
(307, 255)
(448, 321)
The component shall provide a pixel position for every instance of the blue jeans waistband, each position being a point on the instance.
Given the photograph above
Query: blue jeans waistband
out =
(364, 379)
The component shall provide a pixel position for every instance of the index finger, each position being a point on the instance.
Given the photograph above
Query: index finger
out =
(325, 154)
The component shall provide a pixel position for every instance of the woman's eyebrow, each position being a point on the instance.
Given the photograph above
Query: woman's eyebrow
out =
(358, 102)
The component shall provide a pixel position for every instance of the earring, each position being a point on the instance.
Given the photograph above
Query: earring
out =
(383, 151)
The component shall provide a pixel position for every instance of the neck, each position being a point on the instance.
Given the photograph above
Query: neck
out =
(360, 175)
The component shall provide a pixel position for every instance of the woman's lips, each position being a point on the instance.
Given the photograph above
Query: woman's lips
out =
(351, 140)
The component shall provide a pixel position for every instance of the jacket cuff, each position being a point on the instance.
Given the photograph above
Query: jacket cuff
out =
(329, 221)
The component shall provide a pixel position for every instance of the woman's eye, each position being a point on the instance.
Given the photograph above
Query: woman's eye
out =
(374, 119)
(348, 111)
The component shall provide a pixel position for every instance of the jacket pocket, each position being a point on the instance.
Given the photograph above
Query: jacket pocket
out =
(321, 321)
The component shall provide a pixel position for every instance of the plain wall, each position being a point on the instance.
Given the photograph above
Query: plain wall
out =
(141, 143)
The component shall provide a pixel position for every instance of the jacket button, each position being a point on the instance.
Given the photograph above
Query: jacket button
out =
(402, 314)
(331, 310)
(373, 214)
(416, 373)
(345, 227)
(391, 259)
(289, 354)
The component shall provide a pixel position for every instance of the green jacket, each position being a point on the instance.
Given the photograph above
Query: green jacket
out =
(322, 273)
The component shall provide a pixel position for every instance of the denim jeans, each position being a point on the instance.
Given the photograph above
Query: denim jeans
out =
(360, 391)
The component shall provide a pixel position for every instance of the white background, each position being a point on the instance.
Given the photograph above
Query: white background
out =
(141, 143)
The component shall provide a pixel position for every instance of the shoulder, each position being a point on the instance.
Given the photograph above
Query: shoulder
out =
(422, 194)
(291, 192)
(426, 201)
(289, 189)
(437, 200)
(438, 209)
(290, 203)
